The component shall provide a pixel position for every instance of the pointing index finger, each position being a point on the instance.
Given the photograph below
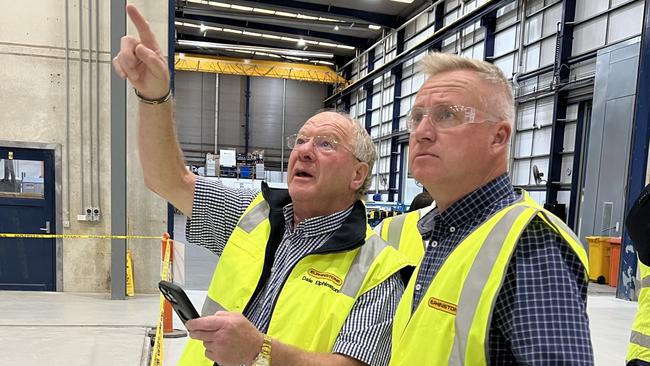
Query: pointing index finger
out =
(147, 38)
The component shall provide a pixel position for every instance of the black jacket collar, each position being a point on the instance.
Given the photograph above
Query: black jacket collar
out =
(350, 235)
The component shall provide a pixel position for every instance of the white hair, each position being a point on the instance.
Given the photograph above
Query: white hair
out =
(363, 147)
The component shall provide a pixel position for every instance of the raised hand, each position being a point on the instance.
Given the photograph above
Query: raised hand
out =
(141, 61)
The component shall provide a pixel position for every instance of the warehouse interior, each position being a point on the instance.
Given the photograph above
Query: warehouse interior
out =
(245, 74)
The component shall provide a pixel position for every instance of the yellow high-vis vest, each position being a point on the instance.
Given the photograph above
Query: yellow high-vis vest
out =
(319, 292)
(450, 325)
(401, 233)
(639, 347)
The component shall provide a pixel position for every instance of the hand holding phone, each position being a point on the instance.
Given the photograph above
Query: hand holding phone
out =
(179, 301)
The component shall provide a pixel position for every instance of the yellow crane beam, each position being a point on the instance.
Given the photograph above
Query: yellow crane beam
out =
(263, 68)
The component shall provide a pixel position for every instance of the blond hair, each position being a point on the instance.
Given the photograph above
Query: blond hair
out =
(500, 103)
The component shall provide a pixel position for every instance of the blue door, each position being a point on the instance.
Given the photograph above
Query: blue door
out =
(27, 206)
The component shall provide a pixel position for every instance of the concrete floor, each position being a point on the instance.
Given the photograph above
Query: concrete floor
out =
(46, 328)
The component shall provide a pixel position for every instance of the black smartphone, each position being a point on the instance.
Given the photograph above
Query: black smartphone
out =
(179, 300)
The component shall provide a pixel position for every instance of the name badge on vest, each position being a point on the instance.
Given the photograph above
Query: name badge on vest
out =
(326, 279)
(442, 305)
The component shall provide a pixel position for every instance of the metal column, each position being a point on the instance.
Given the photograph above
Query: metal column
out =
(489, 22)
(561, 75)
(171, 43)
(638, 160)
(368, 117)
(576, 184)
(247, 95)
(395, 175)
(118, 158)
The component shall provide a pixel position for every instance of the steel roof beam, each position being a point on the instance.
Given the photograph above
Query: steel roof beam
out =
(341, 39)
(384, 20)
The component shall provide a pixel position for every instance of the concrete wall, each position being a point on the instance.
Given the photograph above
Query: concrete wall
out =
(33, 108)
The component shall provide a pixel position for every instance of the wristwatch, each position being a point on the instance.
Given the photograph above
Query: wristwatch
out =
(264, 357)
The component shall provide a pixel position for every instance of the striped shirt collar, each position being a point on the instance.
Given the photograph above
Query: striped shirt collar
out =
(468, 208)
(315, 226)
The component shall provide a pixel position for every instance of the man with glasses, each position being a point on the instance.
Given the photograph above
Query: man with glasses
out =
(301, 279)
(501, 281)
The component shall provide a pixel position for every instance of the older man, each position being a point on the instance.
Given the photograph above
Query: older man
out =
(501, 281)
(302, 279)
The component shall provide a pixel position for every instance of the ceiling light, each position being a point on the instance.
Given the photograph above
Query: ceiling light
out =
(221, 5)
(327, 44)
(336, 27)
(265, 11)
(285, 14)
(247, 33)
(301, 42)
(403, 1)
(296, 58)
(239, 7)
(203, 28)
(280, 51)
(308, 17)
(232, 30)
(374, 27)
(345, 46)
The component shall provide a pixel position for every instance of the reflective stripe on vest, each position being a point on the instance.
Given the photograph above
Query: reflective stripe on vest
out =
(362, 262)
(645, 282)
(640, 339)
(476, 280)
(395, 227)
(254, 217)
(210, 307)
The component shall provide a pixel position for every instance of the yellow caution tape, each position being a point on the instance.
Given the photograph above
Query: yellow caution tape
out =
(129, 274)
(75, 236)
(157, 354)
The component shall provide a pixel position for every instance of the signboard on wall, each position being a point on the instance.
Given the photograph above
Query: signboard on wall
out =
(228, 158)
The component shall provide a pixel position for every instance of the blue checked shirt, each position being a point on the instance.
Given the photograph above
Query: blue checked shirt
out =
(540, 315)
(366, 333)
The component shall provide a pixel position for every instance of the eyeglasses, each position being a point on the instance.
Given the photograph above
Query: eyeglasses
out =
(325, 144)
(441, 116)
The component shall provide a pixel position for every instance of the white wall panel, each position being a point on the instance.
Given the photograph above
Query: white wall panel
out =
(625, 22)
(552, 16)
(547, 52)
(542, 141)
(566, 171)
(526, 116)
(531, 57)
(521, 173)
(586, 9)
(505, 41)
(544, 112)
(589, 35)
(506, 64)
(569, 136)
(523, 144)
(506, 16)
(533, 30)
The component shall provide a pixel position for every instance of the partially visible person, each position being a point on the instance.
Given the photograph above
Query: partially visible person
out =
(637, 224)
(302, 279)
(408, 242)
(502, 281)
(421, 200)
